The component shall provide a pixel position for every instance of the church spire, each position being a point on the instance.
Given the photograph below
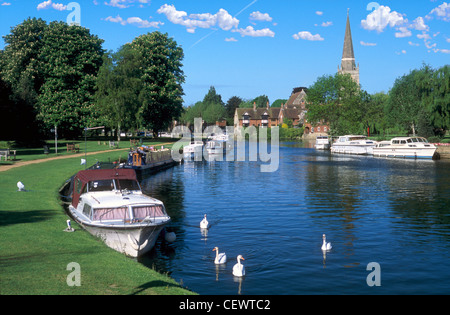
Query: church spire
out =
(348, 64)
(348, 42)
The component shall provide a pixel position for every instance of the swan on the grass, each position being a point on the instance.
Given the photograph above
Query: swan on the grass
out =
(21, 186)
(204, 223)
(221, 258)
(239, 269)
(325, 245)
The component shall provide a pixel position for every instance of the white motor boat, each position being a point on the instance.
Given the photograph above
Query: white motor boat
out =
(406, 147)
(109, 204)
(215, 147)
(322, 143)
(353, 144)
(195, 148)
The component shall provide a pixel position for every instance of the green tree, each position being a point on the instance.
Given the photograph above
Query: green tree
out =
(213, 113)
(405, 103)
(70, 60)
(160, 99)
(118, 87)
(231, 106)
(212, 97)
(338, 100)
(279, 102)
(21, 66)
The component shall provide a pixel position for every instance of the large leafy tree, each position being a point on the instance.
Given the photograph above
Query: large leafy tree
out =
(53, 69)
(160, 99)
(339, 101)
(118, 87)
(70, 59)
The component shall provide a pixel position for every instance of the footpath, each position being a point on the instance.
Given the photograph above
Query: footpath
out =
(4, 168)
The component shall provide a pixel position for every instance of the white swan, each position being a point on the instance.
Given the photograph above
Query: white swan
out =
(239, 269)
(325, 245)
(204, 223)
(221, 258)
(21, 186)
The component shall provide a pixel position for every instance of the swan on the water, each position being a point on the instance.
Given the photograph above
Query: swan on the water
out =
(325, 245)
(204, 224)
(239, 269)
(221, 258)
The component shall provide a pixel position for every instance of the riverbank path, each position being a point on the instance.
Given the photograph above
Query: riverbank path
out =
(4, 168)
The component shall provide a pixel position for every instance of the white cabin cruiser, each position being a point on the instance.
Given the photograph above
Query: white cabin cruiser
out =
(322, 143)
(215, 147)
(195, 148)
(353, 144)
(406, 147)
(109, 204)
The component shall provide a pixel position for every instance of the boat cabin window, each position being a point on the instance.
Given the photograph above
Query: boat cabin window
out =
(127, 184)
(395, 141)
(87, 210)
(141, 213)
(403, 141)
(101, 185)
(111, 214)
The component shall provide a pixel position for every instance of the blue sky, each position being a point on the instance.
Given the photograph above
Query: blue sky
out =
(249, 48)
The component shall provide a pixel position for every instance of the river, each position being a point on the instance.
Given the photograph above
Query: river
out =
(388, 221)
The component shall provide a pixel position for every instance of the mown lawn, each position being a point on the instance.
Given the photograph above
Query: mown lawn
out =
(35, 252)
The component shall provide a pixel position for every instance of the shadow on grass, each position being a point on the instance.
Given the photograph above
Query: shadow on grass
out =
(153, 284)
(17, 217)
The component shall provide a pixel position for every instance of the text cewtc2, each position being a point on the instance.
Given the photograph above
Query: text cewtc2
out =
(227, 305)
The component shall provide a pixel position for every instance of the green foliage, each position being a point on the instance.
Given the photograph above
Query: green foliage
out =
(53, 68)
(231, 106)
(279, 102)
(118, 86)
(338, 100)
(260, 102)
(211, 109)
(160, 99)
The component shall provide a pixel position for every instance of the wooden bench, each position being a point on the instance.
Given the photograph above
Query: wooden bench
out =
(7, 154)
(73, 148)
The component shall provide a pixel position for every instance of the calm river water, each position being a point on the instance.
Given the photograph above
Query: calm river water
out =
(392, 212)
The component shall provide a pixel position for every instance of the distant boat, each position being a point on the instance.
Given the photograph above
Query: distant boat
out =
(322, 143)
(215, 147)
(109, 204)
(353, 144)
(145, 160)
(195, 148)
(406, 147)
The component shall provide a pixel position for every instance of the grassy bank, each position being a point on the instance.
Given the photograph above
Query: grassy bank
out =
(35, 251)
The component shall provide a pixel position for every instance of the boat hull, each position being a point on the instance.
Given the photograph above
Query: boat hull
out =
(353, 149)
(416, 153)
(133, 240)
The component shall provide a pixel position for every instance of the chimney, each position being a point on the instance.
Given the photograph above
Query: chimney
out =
(254, 106)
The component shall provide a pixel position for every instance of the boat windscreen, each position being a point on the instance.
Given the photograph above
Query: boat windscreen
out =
(101, 185)
(127, 184)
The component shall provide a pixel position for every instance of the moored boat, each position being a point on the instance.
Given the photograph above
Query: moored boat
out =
(145, 160)
(194, 149)
(353, 144)
(322, 143)
(109, 204)
(406, 147)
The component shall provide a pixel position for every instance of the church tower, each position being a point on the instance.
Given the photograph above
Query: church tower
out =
(348, 64)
